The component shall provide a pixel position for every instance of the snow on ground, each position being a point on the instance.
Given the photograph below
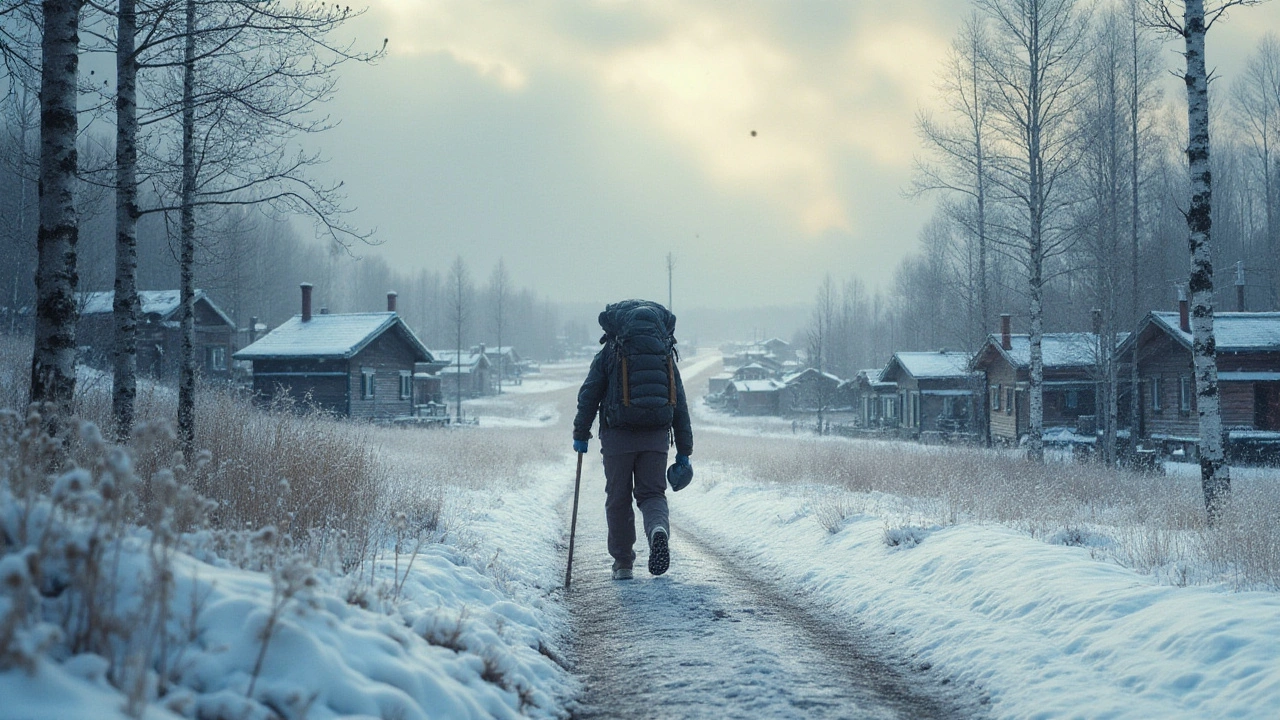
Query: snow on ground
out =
(1044, 630)
(473, 630)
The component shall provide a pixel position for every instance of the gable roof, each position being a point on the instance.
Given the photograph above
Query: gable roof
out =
(810, 372)
(757, 385)
(469, 359)
(1060, 350)
(164, 303)
(935, 365)
(1232, 331)
(338, 335)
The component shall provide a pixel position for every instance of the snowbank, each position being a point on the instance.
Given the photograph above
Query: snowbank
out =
(1043, 630)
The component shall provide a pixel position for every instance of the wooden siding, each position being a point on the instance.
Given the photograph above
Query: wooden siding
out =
(387, 356)
(1003, 422)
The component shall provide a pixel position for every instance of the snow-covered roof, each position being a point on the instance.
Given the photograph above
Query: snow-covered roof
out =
(757, 385)
(158, 302)
(872, 376)
(810, 371)
(935, 364)
(337, 335)
(1061, 350)
(469, 359)
(1232, 331)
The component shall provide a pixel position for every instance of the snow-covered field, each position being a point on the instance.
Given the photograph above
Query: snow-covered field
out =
(1043, 630)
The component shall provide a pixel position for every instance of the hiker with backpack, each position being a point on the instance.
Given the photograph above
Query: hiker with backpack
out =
(634, 385)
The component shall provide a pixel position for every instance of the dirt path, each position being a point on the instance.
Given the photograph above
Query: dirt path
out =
(705, 640)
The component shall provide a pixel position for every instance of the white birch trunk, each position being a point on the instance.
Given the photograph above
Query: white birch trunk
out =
(124, 356)
(187, 231)
(53, 359)
(1035, 196)
(1215, 475)
(1135, 287)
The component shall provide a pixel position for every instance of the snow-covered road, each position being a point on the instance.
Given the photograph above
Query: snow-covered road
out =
(709, 640)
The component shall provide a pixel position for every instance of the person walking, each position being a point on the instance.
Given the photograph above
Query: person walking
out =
(634, 386)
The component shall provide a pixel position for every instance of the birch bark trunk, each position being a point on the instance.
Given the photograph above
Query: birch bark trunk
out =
(187, 243)
(124, 361)
(53, 358)
(1215, 475)
(1035, 197)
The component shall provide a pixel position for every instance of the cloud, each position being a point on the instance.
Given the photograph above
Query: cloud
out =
(707, 74)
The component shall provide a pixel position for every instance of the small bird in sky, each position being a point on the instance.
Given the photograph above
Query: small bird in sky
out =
(753, 133)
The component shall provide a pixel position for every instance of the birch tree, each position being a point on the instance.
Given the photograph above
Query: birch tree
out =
(53, 360)
(1033, 66)
(1193, 25)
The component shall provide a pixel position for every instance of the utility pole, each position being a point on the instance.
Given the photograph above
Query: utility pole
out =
(671, 267)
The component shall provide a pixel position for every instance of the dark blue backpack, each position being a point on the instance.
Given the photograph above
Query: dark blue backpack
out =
(639, 336)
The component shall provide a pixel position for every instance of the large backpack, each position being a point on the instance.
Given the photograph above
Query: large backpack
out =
(640, 339)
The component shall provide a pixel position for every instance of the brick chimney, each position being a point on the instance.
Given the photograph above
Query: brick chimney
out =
(1239, 286)
(391, 301)
(1184, 314)
(306, 302)
(253, 329)
(1097, 322)
(1006, 331)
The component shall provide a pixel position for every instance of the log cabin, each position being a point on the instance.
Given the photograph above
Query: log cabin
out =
(937, 392)
(159, 333)
(357, 365)
(1248, 357)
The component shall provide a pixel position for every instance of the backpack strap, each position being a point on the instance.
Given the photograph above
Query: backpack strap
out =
(671, 380)
(626, 384)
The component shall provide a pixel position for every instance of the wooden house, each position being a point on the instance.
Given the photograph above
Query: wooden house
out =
(875, 400)
(810, 390)
(753, 371)
(468, 373)
(754, 397)
(1248, 355)
(1071, 375)
(937, 392)
(779, 349)
(159, 333)
(358, 365)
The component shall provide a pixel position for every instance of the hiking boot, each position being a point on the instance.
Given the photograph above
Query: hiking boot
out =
(659, 553)
(620, 571)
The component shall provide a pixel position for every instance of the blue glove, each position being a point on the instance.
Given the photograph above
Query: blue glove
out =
(683, 460)
(580, 446)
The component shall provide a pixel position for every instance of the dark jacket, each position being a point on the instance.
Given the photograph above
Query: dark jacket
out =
(595, 390)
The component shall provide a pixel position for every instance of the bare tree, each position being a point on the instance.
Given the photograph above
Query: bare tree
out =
(53, 360)
(500, 291)
(1256, 96)
(1033, 66)
(960, 150)
(1192, 26)
(459, 310)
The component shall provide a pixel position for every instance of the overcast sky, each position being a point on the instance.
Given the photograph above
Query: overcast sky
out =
(583, 141)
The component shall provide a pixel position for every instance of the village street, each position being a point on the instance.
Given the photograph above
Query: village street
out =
(710, 638)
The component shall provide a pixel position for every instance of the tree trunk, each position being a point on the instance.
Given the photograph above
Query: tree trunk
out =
(187, 244)
(1135, 286)
(124, 356)
(1215, 476)
(1035, 195)
(53, 358)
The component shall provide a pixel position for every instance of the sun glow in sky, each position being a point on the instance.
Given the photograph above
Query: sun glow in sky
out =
(583, 141)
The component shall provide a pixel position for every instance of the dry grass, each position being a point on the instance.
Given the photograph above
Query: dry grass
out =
(1152, 523)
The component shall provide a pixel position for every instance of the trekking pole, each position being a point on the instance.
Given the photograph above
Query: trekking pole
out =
(573, 524)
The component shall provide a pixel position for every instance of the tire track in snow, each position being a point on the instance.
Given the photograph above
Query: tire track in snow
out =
(707, 640)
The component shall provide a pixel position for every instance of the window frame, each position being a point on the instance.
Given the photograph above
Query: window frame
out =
(1157, 392)
(406, 385)
(1184, 394)
(368, 383)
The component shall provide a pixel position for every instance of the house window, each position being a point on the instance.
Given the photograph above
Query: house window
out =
(1156, 404)
(1073, 399)
(915, 409)
(367, 383)
(406, 385)
(216, 358)
(1184, 394)
(995, 398)
(1008, 401)
(890, 408)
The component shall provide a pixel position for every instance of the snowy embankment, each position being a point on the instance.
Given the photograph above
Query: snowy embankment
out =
(465, 627)
(1043, 630)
